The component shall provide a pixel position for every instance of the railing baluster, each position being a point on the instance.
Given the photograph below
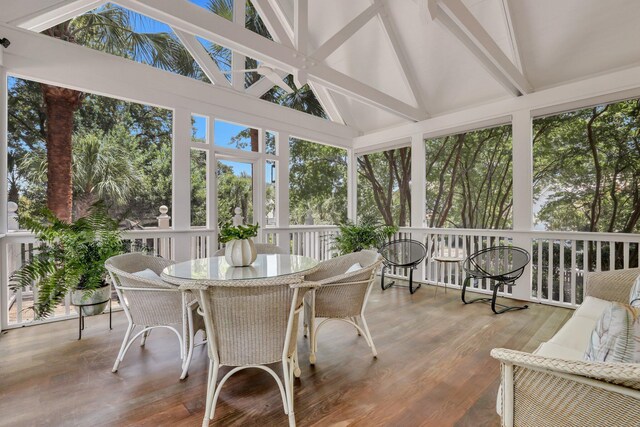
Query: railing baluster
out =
(573, 272)
(612, 255)
(561, 275)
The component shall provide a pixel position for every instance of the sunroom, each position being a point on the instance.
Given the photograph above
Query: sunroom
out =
(246, 179)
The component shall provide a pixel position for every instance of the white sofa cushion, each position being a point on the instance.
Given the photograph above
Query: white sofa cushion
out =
(571, 341)
(592, 307)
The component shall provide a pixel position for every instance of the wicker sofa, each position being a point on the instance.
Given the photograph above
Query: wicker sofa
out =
(554, 386)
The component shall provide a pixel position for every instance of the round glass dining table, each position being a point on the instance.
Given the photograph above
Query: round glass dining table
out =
(217, 269)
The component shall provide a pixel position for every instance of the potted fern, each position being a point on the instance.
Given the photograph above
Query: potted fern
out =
(69, 259)
(353, 237)
(239, 248)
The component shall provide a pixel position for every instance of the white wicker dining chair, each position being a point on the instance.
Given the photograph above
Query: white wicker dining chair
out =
(152, 303)
(341, 296)
(250, 324)
(261, 248)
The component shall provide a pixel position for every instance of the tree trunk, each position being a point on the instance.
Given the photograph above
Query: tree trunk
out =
(60, 104)
(255, 139)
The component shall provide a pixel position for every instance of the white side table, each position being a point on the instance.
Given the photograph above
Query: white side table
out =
(443, 260)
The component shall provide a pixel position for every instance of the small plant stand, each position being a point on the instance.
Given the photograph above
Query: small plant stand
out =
(81, 316)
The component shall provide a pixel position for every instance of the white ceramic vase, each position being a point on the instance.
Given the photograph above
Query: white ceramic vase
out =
(240, 253)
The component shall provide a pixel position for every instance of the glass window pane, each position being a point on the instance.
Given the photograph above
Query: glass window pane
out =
(198, 188)
(199, 132)
(317, 183)
(235, 190)
(230, 135)
(121, 153)
(271, 175)
(270, 142)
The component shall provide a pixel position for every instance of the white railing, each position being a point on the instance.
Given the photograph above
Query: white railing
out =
(558, 264)
(554, 276)
(17, 247)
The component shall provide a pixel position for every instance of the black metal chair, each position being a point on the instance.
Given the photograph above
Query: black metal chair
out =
(502, 264)
(402, 253)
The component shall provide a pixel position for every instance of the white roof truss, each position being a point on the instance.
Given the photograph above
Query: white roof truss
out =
(271, 19)
(188, 21)
(455, 16)
(278, 28)
(202, 57)
(408, 73)
(56, 14)
(513, 39)
(327, 102)
(189, 18)
(238, 60)
(301, 39)
(346, 32)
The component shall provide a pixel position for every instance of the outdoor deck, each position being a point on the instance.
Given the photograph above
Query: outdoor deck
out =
(433, 369)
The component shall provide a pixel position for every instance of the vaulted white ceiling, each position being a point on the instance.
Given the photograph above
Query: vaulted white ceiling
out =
(381, 63)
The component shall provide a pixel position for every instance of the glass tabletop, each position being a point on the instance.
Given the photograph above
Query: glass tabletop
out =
(217, 268)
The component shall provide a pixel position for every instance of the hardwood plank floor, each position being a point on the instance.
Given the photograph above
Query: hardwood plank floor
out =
(433, 369)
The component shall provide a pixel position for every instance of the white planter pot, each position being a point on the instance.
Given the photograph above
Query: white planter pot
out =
(240, 253)
(83, 298)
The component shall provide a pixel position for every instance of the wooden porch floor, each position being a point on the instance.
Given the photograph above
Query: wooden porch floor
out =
(433, 369)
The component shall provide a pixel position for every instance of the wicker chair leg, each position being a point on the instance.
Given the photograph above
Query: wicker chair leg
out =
(365, 327)
(125, 340)
(189, 342)
(313, 340)
(211, 388)
(288, 371)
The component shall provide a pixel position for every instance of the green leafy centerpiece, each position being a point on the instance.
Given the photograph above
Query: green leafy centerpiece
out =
(238, 239)
(69, 258)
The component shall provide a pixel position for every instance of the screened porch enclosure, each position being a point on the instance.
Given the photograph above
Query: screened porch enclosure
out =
(458, 180)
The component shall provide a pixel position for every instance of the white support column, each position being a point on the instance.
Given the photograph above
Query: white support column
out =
(3, 146)
(259, 191)
(352, 185)
(181, 212)
(418, 180)
(282, 193)
(523, 192)
(418, 185)
(212, 182)
(4, 274)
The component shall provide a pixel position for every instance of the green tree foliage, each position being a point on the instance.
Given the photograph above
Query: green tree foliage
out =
(384, 193)
(587, 169)
(469, 179)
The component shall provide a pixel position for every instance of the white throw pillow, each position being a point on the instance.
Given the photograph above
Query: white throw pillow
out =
(354, 267)
(616, 337)
(634, 296)
(147, 273)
